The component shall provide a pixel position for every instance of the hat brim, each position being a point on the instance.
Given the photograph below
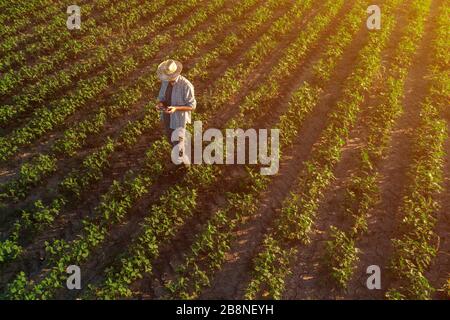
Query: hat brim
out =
(162, 75)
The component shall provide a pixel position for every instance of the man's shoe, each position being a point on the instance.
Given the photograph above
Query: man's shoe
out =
(171, 166)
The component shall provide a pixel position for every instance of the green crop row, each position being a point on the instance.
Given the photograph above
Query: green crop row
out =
(101, 58)
(39, 11)
(20, 73)
(29, 175)
(94, 164)
(139, 261)
(48, 117)
(208, 251)
(49, 41)
(117, 283)
(299, 209)
(362, 192)
(125, 97)
(415, 246)
(111, 205)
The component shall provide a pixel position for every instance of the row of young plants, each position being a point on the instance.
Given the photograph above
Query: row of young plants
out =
(43, 212)
(113, 206)
(362, 191)
(174, 208)
(415, 247)
(230, 84)
(29, 174)
(299, 209)
(117, 22)
(120, 211)
(208, 252)
(57, 46)
(74, 137)
(39, 11)
(51, 19)
(441, 89)
(256, 103)
(95, 163)
(102, 56)
(120, 207)
(46, 118)
(9, 13)
(47, 42)
(146, 248)
(7, 8)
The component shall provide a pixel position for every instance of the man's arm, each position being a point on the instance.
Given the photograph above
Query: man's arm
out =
(189, 98)
(159, 105)
(172, 109)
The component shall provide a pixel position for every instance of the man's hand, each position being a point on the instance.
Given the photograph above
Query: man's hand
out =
(170, 110)
(159, 106)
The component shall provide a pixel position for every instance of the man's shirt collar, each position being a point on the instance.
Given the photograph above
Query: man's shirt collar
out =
(177, 78)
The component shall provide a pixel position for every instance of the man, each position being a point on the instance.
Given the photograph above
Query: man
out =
(176, 100)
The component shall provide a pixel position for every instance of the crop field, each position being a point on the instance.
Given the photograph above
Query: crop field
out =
(359, 207)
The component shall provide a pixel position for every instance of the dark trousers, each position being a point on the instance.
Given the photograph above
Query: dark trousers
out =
(168, 132)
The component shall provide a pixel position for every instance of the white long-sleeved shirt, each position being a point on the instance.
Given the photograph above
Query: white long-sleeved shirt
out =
(182, 95)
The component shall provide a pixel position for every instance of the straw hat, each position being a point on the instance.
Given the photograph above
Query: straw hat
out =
(169, 70)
